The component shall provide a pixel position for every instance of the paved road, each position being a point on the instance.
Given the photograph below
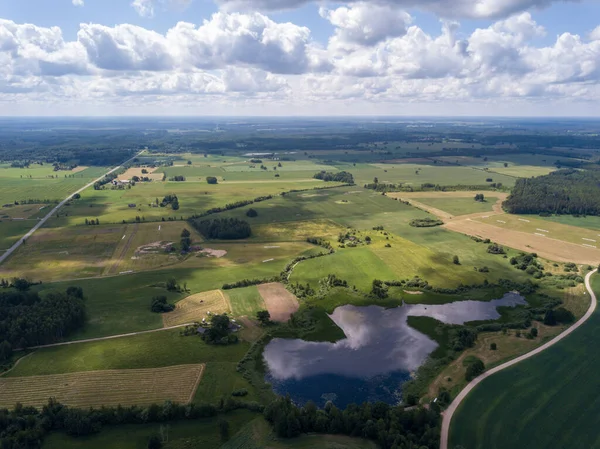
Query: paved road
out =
(110, 337)
(40, 223)
(463, 394)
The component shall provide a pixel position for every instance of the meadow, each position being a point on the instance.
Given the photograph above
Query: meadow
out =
(547, 401)
(460, 206)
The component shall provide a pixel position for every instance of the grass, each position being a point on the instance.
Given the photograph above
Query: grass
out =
(245, 301)
(459, 206)
(546, 401)
(219, 380)
(103, 388)
(198, 433)
(153, 350)
(257, 434)
(588, 222)
(11, 231)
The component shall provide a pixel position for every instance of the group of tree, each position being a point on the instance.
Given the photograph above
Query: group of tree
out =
(92, 221)
(567, 191)
(342, 176)
(494, 248)
(558, 316)
(263, 317)
(425, 222)
(211, 180)
(230, 206)
(251, 213)
(223, 228)
(186, 240)
(160, 304)
(178, 178)
(379, 289)
(390, 426)
(480, 197)
(220, 331)
(171, 200)
(30, 319)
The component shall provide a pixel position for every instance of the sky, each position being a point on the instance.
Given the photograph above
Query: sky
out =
(299, 57)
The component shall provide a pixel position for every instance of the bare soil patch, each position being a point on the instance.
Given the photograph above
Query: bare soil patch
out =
(213, 252)
(544, 246)
(137, 171)
(197, 307)
(79, 168)
(410, 292)
(281, 304)
(152, 248)
(109, 388)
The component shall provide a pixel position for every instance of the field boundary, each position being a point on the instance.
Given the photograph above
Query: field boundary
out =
(448, 414)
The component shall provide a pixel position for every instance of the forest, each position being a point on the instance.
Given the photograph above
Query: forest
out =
(223, 228)
(30, 319)
(565, 191)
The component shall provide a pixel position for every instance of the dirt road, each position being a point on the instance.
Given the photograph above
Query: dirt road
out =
(447, 415)
(42, 221)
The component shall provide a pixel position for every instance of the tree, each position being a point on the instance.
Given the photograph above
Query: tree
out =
(6, 350)
(379, 289)
(455, 260)
(154, 442)
(493, 346)
(533, 332)
(474, 369)
(21, 284)
(172, 285)
(264, 317)
(186, 240)
(224, 429)
(251, 213)
(211, 180)
(375, 180)
(480, 197)
(160, 305)
(144, 171)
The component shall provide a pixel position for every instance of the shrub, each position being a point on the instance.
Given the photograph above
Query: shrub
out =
(160, 305)
(493, 346)
(251, 213)
(426, 222)
(211, 180)
(474, 369)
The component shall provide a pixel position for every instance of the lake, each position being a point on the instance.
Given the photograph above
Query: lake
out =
(378, 354)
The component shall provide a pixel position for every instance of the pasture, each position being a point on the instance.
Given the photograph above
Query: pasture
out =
(546, 401)
(196, 307)
(104, 388)
(197, 433)
(12, 230)
(460, 206)
(245, 301)
(280, 303)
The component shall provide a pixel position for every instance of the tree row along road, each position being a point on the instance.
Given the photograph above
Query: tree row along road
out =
(41, 222)
(447, 417)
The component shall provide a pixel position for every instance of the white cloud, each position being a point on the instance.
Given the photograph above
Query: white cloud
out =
(366, 24)
(78, 2)
(147, 8)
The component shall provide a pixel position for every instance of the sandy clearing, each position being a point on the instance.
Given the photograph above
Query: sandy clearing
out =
(543, 245)
(195, 307)
(280, 303)
(107, 387)
(79, 168)
(410, 292)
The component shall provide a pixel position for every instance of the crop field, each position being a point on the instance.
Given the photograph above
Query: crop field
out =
(12, 230)
(547, 401)
(137, 171)
(245, 301)
(195, 308)
(280, 303)
(197, 433)
(23, 211)
(546, 247)
(460, 206)
(108, 388)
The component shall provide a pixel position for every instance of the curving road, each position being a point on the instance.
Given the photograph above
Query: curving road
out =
(447, 418)
(41, 222)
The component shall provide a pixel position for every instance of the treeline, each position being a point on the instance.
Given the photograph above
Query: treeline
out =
(26, 427)
(28, 319)
(342, 176)
(223, 228)
(562, 192)
(108, 178)
(230, 206)
(390, 426)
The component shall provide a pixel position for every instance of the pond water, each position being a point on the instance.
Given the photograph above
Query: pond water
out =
(378, 354)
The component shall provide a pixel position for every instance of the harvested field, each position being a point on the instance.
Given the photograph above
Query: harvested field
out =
(195, 307)
(109, 387)
(281, 304)
(79, 168)
(137, 171)
(543, 245)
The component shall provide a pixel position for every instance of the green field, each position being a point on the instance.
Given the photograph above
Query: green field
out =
(460, 206)
(198, 433)
(588, 222)
(12, 230)
(547, 401)
(245, 301)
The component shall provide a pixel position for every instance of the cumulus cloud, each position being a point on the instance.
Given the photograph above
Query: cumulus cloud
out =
(78, 2)
(474, 9)
(366, 24)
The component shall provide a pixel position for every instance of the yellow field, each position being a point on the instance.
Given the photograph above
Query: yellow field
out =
(110, 387)
(137, 171)
(195, 307)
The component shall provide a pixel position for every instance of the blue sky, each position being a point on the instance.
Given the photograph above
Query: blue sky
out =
(300, 57)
